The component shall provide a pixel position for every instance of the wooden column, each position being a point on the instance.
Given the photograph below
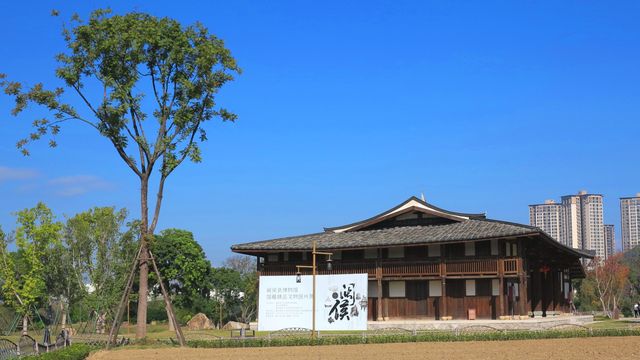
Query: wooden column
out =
(501, 311)
(379, 316)
(522, 272)
(443, 275)
(523, 287)
(542, 298)
(444, 298)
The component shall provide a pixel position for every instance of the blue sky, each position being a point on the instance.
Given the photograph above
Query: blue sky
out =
(348, 108)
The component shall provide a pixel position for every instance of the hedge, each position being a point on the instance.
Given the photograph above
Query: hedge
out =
(73, 352)
(419, 337)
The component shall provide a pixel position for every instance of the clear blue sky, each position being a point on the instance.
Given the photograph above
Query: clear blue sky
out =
(348, 108)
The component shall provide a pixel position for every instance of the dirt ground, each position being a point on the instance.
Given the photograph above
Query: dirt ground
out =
(565, 349)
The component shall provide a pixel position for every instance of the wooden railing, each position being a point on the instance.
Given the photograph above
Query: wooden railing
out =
(342, 268)
(350, 268)
(411, 269)
(472, 267)
(406, 268)
(510, 266)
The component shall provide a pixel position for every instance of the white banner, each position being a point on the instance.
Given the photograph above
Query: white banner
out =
(341, 302)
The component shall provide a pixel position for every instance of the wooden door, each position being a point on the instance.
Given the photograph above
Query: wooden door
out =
(456, 306)
(417, 299)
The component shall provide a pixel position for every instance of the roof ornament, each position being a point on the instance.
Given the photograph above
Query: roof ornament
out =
(422, 197)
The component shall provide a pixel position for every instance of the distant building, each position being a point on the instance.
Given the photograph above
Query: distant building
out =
(630, 216)
(548, 217)
(576, 222)
(592, 223)
(610, 239)
(571, 227)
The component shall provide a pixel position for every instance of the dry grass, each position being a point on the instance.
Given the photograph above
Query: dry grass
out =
(618, 348)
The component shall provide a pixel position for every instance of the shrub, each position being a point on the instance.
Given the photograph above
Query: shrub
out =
(73, 352)
(440, 336)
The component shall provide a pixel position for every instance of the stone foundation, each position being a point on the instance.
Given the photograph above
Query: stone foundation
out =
(515, 323)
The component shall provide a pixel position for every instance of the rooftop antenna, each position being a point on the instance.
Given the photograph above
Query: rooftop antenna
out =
(422, 197)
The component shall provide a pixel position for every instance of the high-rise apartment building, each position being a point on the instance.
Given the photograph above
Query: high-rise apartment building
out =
(630, 216)
(577, 222)
(610, 239)
(548, 217)
(592, 224)
(571, 232)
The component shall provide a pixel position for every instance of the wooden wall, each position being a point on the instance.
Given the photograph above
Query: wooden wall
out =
(417, 304)
(545, 292)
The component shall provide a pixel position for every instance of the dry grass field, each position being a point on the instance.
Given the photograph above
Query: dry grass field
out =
(617, 348)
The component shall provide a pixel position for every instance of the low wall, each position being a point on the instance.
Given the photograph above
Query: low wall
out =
(526, 324)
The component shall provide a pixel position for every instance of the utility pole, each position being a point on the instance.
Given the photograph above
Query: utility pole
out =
(314, 271)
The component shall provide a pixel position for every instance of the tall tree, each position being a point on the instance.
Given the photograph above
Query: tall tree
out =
(117, 56)
(24, 283)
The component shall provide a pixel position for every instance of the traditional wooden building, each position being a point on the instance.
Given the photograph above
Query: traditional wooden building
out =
(424, 262)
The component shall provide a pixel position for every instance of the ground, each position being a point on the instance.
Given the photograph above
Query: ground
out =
(618, 348)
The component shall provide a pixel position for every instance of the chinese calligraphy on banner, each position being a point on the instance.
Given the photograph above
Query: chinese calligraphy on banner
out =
(341, 302)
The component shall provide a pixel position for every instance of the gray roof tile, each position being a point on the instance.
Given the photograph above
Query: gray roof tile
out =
(409, 235)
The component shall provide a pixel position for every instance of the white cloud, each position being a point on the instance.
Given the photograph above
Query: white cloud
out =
(67, 186)
(9, 174)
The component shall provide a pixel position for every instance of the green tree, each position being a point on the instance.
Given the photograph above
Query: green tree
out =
(183, 266)
(25, 280)
(100, 245)
(227, 287)
(248, 286)
(632, 259)
(118, 56)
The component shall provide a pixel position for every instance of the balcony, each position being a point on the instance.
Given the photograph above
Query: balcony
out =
(396, 268)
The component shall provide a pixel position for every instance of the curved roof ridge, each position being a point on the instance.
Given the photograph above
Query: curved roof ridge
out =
(397, 210)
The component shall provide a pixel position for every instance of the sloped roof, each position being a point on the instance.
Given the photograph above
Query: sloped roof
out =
(468, 230)
(411, 204)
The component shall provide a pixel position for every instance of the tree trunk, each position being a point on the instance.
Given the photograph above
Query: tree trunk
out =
(171, 327)
(63, 321)
(141, 326)
(25, 324)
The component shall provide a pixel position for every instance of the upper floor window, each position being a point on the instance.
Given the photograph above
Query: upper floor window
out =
(434, 250)
(370, 253)
(469, 249)
(396, 253)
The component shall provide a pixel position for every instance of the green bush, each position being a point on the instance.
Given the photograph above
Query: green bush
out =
(73, 352)
(440, 336)
(156, 311)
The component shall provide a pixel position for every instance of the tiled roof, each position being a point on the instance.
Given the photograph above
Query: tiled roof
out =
(408, 235)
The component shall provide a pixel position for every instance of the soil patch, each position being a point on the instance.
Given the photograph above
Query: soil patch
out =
(566, 349)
